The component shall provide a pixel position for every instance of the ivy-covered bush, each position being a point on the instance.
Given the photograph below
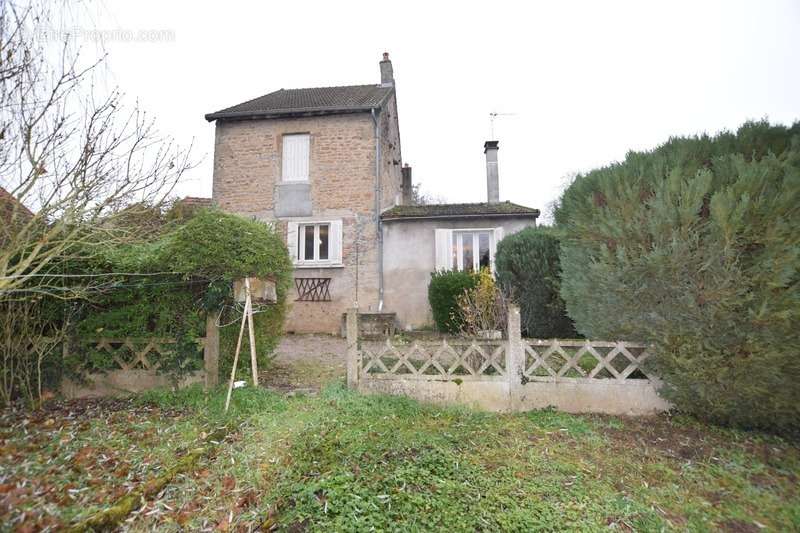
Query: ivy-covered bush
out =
(202, 255)
(444, 291)
(695, 247)
(528, 269)
(224, 247)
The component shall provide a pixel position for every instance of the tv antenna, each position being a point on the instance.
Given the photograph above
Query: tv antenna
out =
(493, 115)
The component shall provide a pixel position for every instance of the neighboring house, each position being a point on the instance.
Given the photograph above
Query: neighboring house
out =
(13, 216)
(12, 209)
(325, 165)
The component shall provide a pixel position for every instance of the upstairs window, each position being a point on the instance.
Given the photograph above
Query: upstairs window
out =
(294, 162)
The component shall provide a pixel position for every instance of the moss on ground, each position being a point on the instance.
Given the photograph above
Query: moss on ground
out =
(345, 462)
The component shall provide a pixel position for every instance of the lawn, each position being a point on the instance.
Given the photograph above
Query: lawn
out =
(341, 461)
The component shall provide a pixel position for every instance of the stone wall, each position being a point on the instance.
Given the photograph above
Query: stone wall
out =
(247, 172)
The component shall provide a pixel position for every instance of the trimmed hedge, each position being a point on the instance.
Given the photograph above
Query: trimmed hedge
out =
(695, 247)
(528, 269)
(443, 293)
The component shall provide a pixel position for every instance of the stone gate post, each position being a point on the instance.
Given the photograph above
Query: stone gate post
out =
(211, 351)
(515, 358)
(353, 359)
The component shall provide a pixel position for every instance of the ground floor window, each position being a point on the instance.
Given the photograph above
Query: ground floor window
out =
(467, 250)
(472, 250)
(315, 244)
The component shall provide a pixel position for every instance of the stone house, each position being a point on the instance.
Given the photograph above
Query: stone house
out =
(325, 165)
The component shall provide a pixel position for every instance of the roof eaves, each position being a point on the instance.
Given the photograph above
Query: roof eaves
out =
(287, 113)
(530, 214)
(295, 112)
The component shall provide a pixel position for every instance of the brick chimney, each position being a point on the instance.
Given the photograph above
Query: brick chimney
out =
(490, 148)
(406, 186)
(387, 74)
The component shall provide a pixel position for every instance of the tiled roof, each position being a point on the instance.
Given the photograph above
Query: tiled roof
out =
(459, 211)
(9, 205)
(195, 201)
(316, 101)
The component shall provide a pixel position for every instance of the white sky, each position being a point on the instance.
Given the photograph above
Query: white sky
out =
(587, 81)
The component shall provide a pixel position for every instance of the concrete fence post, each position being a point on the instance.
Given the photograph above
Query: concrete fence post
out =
(515, 358)
(353, 359)
(211, 351)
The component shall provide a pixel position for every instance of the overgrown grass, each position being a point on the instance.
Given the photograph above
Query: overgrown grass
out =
(345, 462)
(340, 461)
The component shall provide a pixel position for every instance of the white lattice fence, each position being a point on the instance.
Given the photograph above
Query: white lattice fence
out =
(569, 360)
(133, 353)
(509, 375)
(455, 359)
(138, 364)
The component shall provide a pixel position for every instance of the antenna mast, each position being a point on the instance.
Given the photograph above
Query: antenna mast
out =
(493, 115)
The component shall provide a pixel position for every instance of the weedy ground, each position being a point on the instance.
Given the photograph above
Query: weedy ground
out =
(339, 461)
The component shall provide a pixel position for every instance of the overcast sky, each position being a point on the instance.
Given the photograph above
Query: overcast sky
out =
(585, 81)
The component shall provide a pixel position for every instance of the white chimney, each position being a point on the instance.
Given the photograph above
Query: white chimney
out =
(490, 148)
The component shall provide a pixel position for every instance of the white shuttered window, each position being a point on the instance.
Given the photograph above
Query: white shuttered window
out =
(469, 249)
(295, 157)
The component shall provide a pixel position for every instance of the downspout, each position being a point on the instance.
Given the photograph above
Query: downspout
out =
(378, 189)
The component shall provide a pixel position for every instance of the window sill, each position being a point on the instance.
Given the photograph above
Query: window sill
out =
(318, 265)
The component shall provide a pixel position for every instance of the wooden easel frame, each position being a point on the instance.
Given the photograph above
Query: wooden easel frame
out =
(247, 316)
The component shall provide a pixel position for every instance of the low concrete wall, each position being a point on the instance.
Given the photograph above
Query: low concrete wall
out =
(483, 395)
(638, 397)
(123, 382)
(631, 397)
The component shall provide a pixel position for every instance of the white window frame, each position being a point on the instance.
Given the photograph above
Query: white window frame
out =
(296, 241)
(447, 238)
(458, 240)
(286, 169)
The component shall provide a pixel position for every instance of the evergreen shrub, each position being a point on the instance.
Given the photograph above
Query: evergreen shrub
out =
(528, 269)
(695, 247)
(444, 290)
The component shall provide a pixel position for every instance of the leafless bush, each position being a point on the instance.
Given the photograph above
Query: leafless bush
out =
(27, 341)
(483, 308)
(75, 157)
(81, 163)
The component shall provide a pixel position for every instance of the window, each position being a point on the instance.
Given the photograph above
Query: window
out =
(315, 244)
(294, 163)
(468, 250)
(472, 250)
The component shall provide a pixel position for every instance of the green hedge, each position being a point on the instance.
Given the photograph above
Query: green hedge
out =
(695, 247)
(443, 291)
(528, 269)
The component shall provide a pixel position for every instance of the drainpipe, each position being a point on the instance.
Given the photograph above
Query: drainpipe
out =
(375, 114)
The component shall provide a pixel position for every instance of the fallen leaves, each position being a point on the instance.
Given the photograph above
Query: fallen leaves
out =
(72, 457)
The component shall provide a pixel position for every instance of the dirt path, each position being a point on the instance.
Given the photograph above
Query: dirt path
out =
(306, 363)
